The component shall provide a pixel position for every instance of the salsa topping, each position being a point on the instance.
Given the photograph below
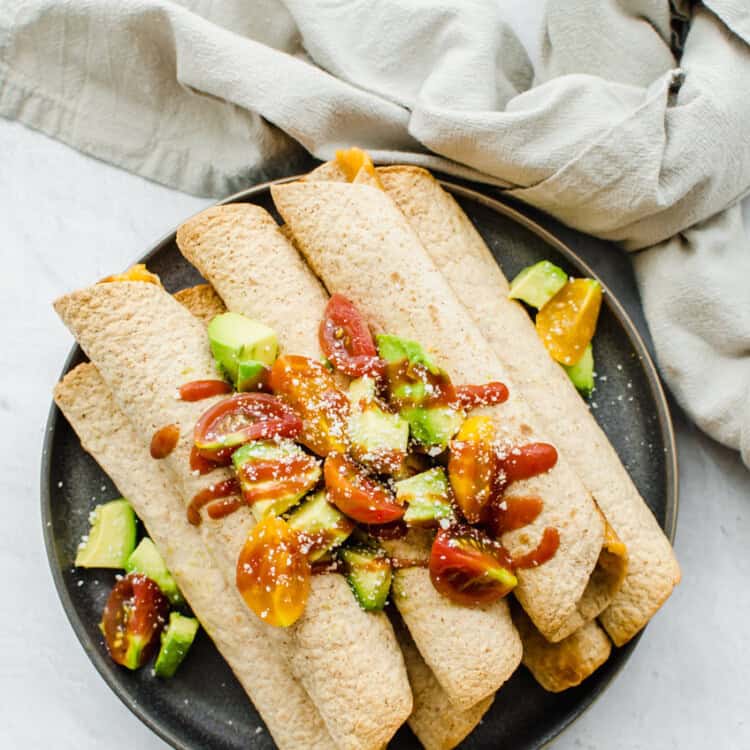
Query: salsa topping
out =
(399, 453)
(164, 441)
(273, 572)
(133, 617)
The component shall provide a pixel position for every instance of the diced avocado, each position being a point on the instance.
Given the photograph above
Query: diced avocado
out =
(111, 538)
(433, 426)
(235, 338)
(427, 496)
(377, 438)
(361, 391)
(538, 284)
(176, 640)
(368, 572)
(272, 495)
(582, 372)
(147, 560)
(394, 349)
(322, 522)
(250, 374)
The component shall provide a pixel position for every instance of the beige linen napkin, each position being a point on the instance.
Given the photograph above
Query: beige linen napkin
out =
(632, 124)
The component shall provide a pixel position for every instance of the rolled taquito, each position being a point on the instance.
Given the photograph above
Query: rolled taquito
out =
(106, 433)
(145, 345)
(567, 663)
(242, 252)
(464, 259)
(360, 244)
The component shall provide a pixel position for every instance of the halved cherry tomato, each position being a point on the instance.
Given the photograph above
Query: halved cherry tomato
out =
(273, 572)
(241, 418)
(271, 479)
(357, 495)
(566, 324)
(133, 618)
(197, 390)
(310, 389)
(469, 568)
(472, 467)
(526, 461)
(346, 340)
(474, 396)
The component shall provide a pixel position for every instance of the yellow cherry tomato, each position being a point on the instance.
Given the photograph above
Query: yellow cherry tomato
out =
(567, 322)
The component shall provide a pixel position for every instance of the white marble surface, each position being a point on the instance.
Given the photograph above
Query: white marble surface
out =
(66, 220)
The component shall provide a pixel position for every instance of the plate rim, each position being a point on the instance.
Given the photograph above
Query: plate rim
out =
(97, 656)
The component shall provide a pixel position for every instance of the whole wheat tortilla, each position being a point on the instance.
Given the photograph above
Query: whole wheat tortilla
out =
(145, 345)
(460, 253)
(108, 436)
(358, 242)
(242, 252)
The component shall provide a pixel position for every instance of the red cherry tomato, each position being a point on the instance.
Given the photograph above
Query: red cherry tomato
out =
(310, 389)
(241, 418)
(474, 396)
(133, 618)
(469, 568)
(346, 340)
(273, 572)
(357, 495)
(527, 461)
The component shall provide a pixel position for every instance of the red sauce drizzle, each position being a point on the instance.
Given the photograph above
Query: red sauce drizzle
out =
(197, 390)
(164, 441)
(225, 507)
(513, 513)
(543, 552)
(213, 492)
(526, 461)
(200, 463)
(394, 530)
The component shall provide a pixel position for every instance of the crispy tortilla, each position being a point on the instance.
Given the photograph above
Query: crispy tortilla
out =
(459, 252)
(360, 244)
(246, 240)
(145, 345)
(263, 672)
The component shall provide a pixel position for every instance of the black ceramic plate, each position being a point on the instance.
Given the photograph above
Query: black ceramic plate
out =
(629, 404)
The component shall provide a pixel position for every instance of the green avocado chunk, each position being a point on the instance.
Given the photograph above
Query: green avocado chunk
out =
(427, 496)
(250, 374)
(269, 450)
(582, 372)
(368, 572)
(147, 560)
(394, 349)
(538, 284)
(377, 438)
(176, 640)
(111, 538)
(235, 338)
(433, 426)
(322, 522)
